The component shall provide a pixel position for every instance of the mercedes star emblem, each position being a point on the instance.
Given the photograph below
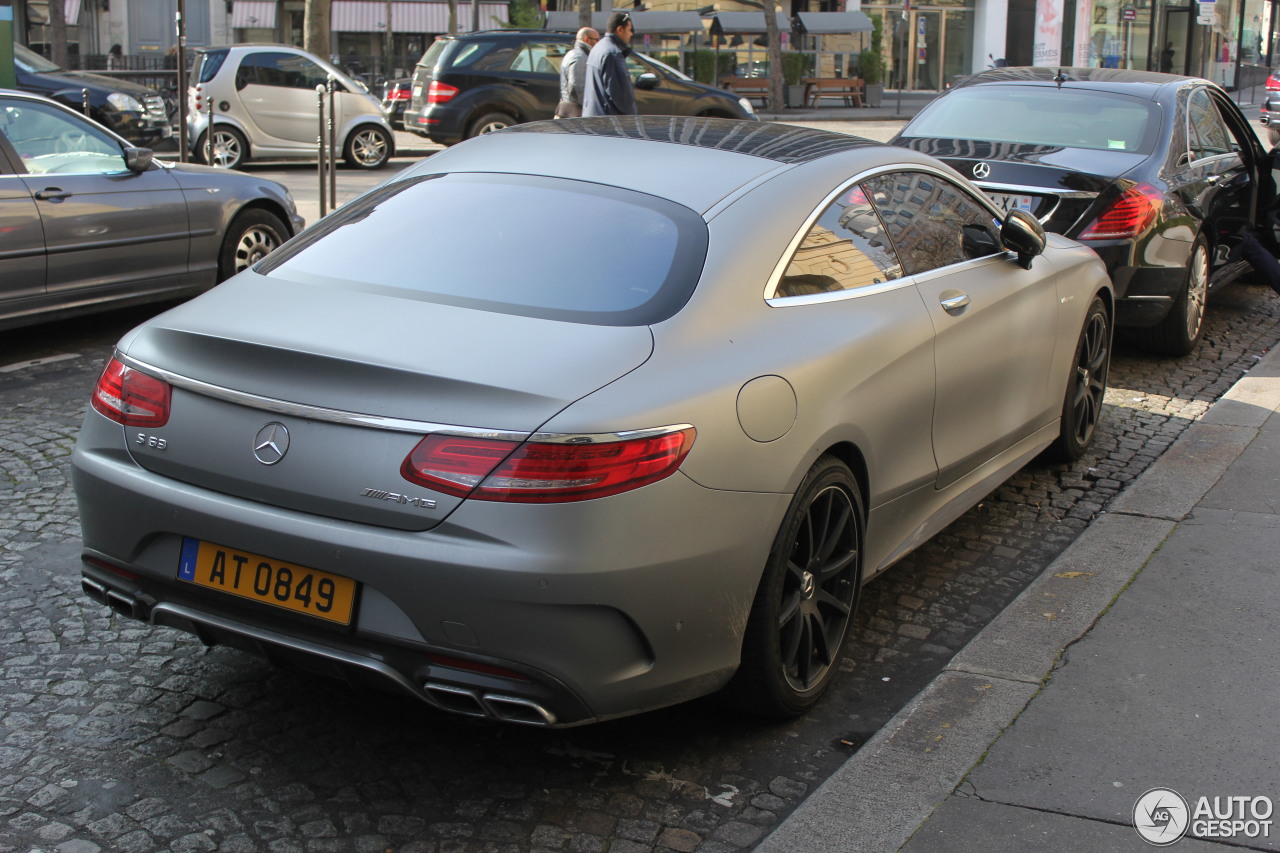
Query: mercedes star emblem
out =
(981, 170)
(271, 443)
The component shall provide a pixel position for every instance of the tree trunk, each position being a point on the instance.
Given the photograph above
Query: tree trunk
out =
(453, 17)
(58, 33)
(584, 13)
(776, 78)
(315, 37)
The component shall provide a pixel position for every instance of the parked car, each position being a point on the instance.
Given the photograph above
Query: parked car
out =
(476, 83)
(132, 111)
(1157, 173)
(91, 223)
(1270, 113)
(395, 97)
(557, 493)
(264, 99)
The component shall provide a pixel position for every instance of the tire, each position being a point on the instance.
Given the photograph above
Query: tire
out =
(488, 123)
(807, 597)
(1273, 135)
(1178, 332)
(253, 233)
(1087, 385)
(368, 147)
(230, 150)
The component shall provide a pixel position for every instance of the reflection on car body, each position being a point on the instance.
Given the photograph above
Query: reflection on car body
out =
(592, 490)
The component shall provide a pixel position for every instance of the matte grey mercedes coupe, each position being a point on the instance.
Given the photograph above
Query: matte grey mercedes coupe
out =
(629, 418)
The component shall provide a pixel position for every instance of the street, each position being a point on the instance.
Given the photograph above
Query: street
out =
(115, 735)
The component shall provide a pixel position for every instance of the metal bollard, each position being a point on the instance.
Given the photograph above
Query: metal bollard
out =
(333, 148)
(209, 136)
(320, 146)
(84, 101)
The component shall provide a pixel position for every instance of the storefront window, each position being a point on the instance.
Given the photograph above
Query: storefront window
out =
(1112, 34)
(931, 49)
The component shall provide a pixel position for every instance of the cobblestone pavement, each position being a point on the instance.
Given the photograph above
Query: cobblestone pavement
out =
(118, 736)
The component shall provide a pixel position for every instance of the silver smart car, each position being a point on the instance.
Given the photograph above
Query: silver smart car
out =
(521, 485)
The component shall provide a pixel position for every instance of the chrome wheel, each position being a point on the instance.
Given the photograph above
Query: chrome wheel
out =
(818, 589)
(253, 234)
(253, 246)
(228, 149)
(368, 148)
(1197, 290)
(489, 123)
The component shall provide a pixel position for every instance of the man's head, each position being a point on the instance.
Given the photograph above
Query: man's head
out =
(620, 25)
(588, 36)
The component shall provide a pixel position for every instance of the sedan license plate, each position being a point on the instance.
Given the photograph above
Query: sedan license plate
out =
(296, 588)
(1008, 201)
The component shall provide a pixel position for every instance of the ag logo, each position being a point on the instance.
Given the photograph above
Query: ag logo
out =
(1161, 816)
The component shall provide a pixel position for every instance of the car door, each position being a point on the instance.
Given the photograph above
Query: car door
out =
(277, 93)
(651, 102)
(22, 257)
(535, 70)
(104, 225)
(995, 323)
(1221, 185)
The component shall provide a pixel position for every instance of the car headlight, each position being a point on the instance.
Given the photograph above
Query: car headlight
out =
(124, 103)
(746, 105)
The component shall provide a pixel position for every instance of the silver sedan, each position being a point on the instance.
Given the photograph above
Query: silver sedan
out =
(628, 417)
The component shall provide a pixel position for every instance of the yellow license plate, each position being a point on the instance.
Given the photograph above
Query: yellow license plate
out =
(247, 575)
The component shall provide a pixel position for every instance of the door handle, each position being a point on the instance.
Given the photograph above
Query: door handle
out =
(52, 194)
(953, 301)
(1213, 179)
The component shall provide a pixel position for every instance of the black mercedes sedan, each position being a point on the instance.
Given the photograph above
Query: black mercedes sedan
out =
(1158, 173)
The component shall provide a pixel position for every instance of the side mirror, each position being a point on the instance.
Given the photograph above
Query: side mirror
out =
(978, 241)
(648, 80)
(1022, 233)
(137, 159)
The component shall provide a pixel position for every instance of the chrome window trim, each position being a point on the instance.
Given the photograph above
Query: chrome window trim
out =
(343, 418)
(775, 278)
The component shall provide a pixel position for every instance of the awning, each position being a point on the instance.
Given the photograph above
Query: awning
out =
(409, 16)
(253, 14)
(645, 22)
(748, 23)
(818, 23)
(71, 11)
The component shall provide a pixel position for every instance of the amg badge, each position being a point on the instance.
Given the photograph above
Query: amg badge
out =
(380, 495)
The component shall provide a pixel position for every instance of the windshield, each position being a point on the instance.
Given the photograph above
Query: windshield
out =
(496, 242)
(31, 62)
(1042, 115)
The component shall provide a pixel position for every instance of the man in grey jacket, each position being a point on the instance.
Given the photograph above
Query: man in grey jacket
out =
(573, 74)
(609, 91)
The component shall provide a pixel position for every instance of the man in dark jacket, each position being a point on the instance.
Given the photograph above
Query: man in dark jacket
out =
(609, 91)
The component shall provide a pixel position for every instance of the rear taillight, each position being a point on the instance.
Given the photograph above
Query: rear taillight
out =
(1272, 84)
(1128, 216)
(398, 95)
(131, 397)
(544, 472)
(439, 93)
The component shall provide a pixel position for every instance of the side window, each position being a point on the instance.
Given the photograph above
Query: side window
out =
(49, 140)
(538, 58)
(1206, 133)
(844, 250)
(926, 217)
(282, 70)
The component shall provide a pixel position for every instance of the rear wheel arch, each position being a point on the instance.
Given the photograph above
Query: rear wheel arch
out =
(850, 454)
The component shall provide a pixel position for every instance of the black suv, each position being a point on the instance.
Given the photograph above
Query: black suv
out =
(480, 82)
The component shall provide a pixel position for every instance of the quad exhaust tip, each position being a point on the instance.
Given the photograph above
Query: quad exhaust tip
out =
(473, 703)
(120, 602)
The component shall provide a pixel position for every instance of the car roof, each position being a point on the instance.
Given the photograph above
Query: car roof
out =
(1145, 84)
(777, 142)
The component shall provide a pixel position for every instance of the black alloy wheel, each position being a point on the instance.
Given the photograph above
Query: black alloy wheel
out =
(1087, 384)
(807, 597)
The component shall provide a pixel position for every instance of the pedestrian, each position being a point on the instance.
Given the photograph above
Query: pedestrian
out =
(115, 57)
(608, 90)
(573, 74)
(1264, 263)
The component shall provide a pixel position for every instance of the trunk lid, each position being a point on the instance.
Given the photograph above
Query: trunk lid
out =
(356, 379)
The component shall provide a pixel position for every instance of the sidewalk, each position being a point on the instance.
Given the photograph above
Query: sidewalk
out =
(1146, 656)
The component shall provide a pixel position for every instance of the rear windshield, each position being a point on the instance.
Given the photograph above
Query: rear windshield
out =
(432, 56)
(210, 62)
(516, 244)
(1042, 115)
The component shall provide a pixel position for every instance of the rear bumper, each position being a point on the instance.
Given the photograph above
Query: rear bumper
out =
(1145, 293)
(600, 608)
(442, 126)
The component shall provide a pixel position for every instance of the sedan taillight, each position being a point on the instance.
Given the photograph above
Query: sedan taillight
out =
(544, 472)
(131, 397)
(439, 93)
(1272, 84)
(1128, 216)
